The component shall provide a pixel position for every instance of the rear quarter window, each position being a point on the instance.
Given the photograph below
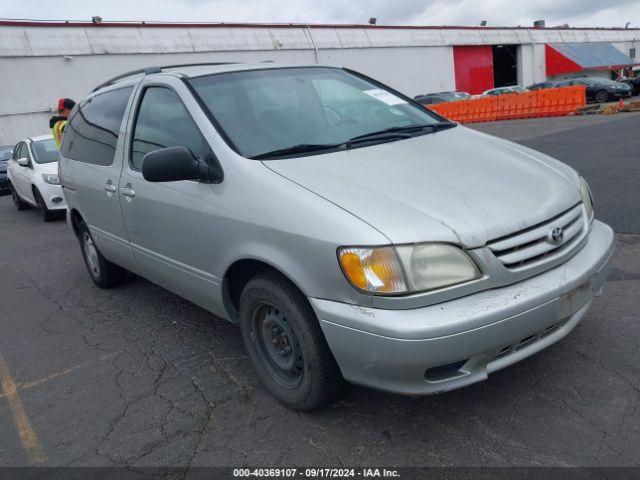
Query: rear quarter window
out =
(92, 133)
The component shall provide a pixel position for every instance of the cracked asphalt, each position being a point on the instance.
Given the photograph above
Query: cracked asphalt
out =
(137, 376)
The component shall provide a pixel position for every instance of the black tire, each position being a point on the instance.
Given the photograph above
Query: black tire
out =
(47, 215)
(17, 201)
(276, 316)
(103, 273)
(602, 96)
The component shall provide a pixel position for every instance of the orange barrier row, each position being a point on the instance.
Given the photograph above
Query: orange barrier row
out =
(550, 102)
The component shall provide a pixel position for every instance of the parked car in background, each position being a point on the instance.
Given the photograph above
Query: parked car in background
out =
(634, 83)
(33, 176)
(504, 90)
(599, 90)
(441, 97)
(542, 85)
(349, 231)
(5, 154)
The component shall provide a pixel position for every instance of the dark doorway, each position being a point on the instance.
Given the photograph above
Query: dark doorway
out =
(505, 65)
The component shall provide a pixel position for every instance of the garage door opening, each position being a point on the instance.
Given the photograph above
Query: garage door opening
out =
(505, 65)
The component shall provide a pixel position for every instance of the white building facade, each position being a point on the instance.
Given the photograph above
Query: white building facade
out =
(41, 62)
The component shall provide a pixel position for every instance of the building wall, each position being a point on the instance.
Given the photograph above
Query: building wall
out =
(32, 85)
(625, 47)
(40, 63)
(411, 70)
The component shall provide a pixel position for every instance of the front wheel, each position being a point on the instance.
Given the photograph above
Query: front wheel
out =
(602, 96)
(283, 338)
(103, 273)
(47, 215)
(17, 201)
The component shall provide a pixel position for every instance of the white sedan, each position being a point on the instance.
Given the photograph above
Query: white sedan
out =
(33, 176)
(504, 90)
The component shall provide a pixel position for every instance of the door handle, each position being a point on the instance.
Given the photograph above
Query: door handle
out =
(128, 192)
(110, 187)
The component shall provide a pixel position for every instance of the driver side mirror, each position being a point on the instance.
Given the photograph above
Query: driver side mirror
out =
(173, 164)
(23, 162)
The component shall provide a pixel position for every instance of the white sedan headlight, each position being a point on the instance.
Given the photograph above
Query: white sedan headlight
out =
(406, 268)
(587, 199)
(51, 178)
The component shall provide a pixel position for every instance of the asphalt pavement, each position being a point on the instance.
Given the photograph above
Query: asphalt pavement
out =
(138, 376)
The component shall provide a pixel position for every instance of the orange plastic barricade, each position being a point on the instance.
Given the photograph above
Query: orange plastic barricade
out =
(539, 103)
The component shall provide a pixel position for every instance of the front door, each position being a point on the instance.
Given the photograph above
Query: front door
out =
(22, 176)
(164, 221)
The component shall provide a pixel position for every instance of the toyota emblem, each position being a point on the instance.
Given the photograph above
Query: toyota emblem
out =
(556, 235)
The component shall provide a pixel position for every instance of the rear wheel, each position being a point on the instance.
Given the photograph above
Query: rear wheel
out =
(47, 215)
(17, 201)
(103, 273)
(602, 96)
(283, 338)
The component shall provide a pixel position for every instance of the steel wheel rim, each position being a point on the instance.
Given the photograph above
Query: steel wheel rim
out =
(91, 254)
(278, 346)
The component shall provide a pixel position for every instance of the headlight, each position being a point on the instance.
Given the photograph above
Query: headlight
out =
(406, 268)
(51, 178)
(436, 265)
(587, 199)
(375, 270)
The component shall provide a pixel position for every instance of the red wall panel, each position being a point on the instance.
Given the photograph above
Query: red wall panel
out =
(473, 68)
(557, 63)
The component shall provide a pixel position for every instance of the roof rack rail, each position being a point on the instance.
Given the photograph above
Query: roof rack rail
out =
(145, 71)
(150, 70)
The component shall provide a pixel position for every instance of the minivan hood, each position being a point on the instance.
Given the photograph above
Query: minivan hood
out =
(456, 185)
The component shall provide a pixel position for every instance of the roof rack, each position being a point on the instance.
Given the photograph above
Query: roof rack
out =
(151, 70)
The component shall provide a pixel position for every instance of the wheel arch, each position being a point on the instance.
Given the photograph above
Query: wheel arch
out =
(239, 273)
(74, 220)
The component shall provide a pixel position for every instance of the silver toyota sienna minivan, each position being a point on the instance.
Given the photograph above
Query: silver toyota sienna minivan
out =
(350, 232)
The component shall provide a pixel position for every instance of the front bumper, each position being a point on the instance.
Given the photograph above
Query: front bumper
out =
(621, 94)
(53, 197)
(453, 344)
(4, 182)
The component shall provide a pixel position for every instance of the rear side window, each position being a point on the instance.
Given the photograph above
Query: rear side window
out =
(163, 121)
(92, 134)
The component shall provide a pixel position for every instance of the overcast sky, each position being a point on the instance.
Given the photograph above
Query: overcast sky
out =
(578, 13)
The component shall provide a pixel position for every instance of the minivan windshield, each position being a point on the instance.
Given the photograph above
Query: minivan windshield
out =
(45, 151)
(274, 113)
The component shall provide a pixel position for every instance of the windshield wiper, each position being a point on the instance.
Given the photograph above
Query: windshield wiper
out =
(388, 134)
(295, 149)
(405, 131)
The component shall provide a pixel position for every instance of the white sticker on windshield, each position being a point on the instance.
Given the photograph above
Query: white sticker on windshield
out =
(384, 96)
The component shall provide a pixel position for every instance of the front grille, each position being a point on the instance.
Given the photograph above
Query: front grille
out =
(534, 244)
